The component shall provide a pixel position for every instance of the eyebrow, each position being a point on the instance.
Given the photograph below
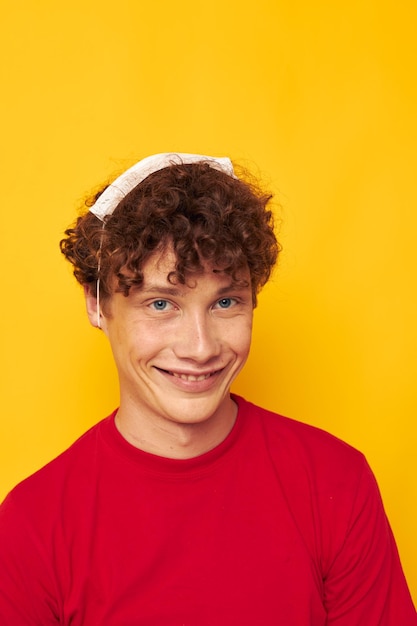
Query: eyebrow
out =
(162, 289)
(175, 291)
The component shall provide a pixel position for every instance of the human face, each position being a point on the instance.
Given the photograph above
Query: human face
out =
(178, 348)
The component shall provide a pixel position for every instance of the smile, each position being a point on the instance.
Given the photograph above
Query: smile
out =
(190, 377)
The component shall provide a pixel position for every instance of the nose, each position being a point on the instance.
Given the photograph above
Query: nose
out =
(198, 339)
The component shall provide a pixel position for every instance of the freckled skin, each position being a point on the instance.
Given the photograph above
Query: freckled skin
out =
(177, 350)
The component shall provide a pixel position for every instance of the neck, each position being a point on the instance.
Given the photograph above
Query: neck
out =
(171, 439)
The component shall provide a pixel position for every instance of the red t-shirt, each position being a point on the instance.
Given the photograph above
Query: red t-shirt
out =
(281, 524)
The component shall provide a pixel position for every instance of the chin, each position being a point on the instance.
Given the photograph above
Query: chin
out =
(198, 410)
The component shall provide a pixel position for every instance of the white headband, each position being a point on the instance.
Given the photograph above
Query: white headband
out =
(117, 190)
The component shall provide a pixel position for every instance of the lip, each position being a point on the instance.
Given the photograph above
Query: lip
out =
(191, 381)
(194, 377)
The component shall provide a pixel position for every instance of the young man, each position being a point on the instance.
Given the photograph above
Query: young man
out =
(189, 506)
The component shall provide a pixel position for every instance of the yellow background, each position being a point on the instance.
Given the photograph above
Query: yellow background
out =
(320, 99)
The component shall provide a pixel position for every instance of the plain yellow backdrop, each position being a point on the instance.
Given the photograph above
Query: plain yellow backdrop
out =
(319, 99)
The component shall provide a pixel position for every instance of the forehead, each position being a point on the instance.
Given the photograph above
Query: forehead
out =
(161, 267)
(160, 262)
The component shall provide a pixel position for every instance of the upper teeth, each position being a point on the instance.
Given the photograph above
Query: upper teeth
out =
(190, 377)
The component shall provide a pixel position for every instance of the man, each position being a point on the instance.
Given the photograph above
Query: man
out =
(189, 506)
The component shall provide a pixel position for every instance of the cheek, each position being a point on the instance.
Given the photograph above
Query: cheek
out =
(143, 344)
(242, 336)
(123, 343)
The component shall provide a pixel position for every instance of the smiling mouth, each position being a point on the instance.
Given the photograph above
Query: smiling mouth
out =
(189, 377)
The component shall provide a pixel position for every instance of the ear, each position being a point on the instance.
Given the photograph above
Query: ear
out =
(94, 315)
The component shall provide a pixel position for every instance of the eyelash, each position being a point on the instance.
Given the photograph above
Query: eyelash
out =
(229, 301)
(155, 304)
(223, 303)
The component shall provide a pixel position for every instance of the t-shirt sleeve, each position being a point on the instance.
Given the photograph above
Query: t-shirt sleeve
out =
(365, 583)
(27, 594)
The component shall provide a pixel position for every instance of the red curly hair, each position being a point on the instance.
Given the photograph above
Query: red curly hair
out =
(205, 214)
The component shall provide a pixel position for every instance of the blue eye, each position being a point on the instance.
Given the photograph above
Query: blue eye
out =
(160, 305)
(225, 303)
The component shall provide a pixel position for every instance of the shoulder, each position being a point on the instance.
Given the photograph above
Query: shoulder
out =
(311, 463)
(328, 484)
(299, 440)
(49, 482)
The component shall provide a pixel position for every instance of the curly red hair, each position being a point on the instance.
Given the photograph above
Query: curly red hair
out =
(206, 215)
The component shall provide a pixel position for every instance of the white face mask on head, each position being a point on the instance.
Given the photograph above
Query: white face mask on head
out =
(127, 181)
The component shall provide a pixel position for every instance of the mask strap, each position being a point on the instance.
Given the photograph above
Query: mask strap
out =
(98, 277)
